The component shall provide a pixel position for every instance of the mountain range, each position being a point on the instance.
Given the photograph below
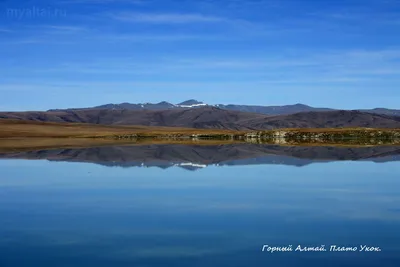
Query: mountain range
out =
(195, 114)
(267, 110)
(209, 117)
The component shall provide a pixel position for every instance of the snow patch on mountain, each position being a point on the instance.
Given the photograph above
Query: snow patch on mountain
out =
(191, 106)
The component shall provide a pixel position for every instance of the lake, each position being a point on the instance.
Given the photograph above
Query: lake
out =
(181, 205)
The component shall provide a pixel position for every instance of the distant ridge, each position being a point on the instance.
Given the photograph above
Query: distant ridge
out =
(273, 110)
(266, 110)
(210, 117)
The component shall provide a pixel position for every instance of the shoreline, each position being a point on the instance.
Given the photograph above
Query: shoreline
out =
(16, 145)
(31, 134)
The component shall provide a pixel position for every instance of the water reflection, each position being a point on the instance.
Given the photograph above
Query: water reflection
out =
(62, 212)
(191, 157)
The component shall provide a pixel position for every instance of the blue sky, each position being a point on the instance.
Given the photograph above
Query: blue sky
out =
(76, 53)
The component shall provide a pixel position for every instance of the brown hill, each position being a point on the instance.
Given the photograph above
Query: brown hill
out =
(212, 118)
(327, 119)
(205, 117)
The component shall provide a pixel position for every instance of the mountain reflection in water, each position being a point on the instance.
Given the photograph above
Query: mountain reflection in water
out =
(64, 210)
(194, 157)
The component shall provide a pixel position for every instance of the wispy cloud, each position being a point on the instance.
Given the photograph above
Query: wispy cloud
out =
(36, 40)
(332, 66)
(5, 30)
(134, 2)
(152, 37)
(373, 63)
(58, 29)
(110, 67)
(318, 80)
(385, 54)
(182, 19)
(164, 18)
(45, 34)
(215, 63)
(175, 66)
(68, 34)
(65, 28)
(344, 68)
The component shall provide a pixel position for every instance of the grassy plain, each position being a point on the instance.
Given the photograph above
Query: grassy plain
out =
(18, 135)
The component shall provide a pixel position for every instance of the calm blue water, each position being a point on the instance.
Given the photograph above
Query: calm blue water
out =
(83, 214)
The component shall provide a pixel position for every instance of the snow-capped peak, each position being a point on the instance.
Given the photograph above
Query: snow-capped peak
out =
(191, 103)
